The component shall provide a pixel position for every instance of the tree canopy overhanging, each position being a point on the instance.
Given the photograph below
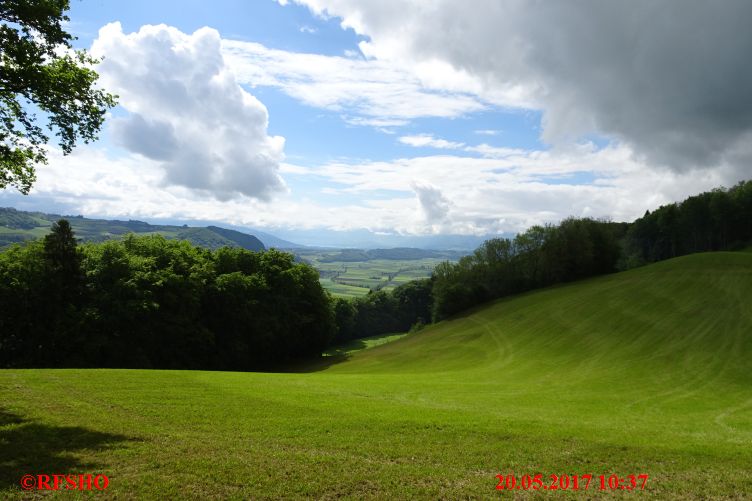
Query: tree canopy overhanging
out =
(39, 70)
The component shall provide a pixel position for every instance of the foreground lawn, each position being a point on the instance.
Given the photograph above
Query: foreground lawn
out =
(644, 372)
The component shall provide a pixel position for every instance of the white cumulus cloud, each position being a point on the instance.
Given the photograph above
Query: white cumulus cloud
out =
(187, 111)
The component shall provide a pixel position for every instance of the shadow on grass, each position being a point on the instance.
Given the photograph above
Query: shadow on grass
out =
(29, 447)
(314, 364)
(340, 353)
(346, 349)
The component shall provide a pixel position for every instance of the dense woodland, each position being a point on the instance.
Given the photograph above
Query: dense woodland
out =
(156, 303)
(716, 220)
(152, 302)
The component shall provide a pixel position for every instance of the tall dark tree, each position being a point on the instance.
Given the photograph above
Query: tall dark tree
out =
(63, 296)
(345, 316)
(60, 252)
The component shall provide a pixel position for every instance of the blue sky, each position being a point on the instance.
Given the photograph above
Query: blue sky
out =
(261, 21)
(352, 115)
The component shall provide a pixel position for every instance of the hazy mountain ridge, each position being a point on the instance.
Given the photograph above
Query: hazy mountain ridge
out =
(18, 226)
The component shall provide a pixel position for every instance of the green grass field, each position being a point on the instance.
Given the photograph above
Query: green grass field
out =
(643, 372)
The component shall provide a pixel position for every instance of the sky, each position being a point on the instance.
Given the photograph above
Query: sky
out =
(403, 116)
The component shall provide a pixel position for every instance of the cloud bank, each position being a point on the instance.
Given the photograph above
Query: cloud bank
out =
(670, 79)
(433, 194)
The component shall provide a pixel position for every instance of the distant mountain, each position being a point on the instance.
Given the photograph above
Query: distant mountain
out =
(18, 226)
(244, 240)
(365, 239)
(270, 241)
(402, 253)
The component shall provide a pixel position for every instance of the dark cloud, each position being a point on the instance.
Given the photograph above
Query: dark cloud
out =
(153, 139)
(433, 204)
(671, 78)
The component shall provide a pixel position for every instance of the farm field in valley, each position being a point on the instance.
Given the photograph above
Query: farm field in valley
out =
(348, 279)
(353, 278)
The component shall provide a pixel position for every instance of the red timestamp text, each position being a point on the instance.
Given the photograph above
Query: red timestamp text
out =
(564, 482)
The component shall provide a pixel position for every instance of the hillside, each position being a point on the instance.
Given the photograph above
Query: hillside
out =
(18, 226)
(685, 315)
(641, 372)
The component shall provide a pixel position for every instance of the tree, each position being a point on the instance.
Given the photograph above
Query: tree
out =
(413, 303)
(39, 70)
(63, 295)
(60, 251)
(345, 317)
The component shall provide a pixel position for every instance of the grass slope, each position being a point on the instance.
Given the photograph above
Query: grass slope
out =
(647, 371)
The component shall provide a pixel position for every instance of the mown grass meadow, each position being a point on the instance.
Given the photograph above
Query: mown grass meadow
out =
(642, 372)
